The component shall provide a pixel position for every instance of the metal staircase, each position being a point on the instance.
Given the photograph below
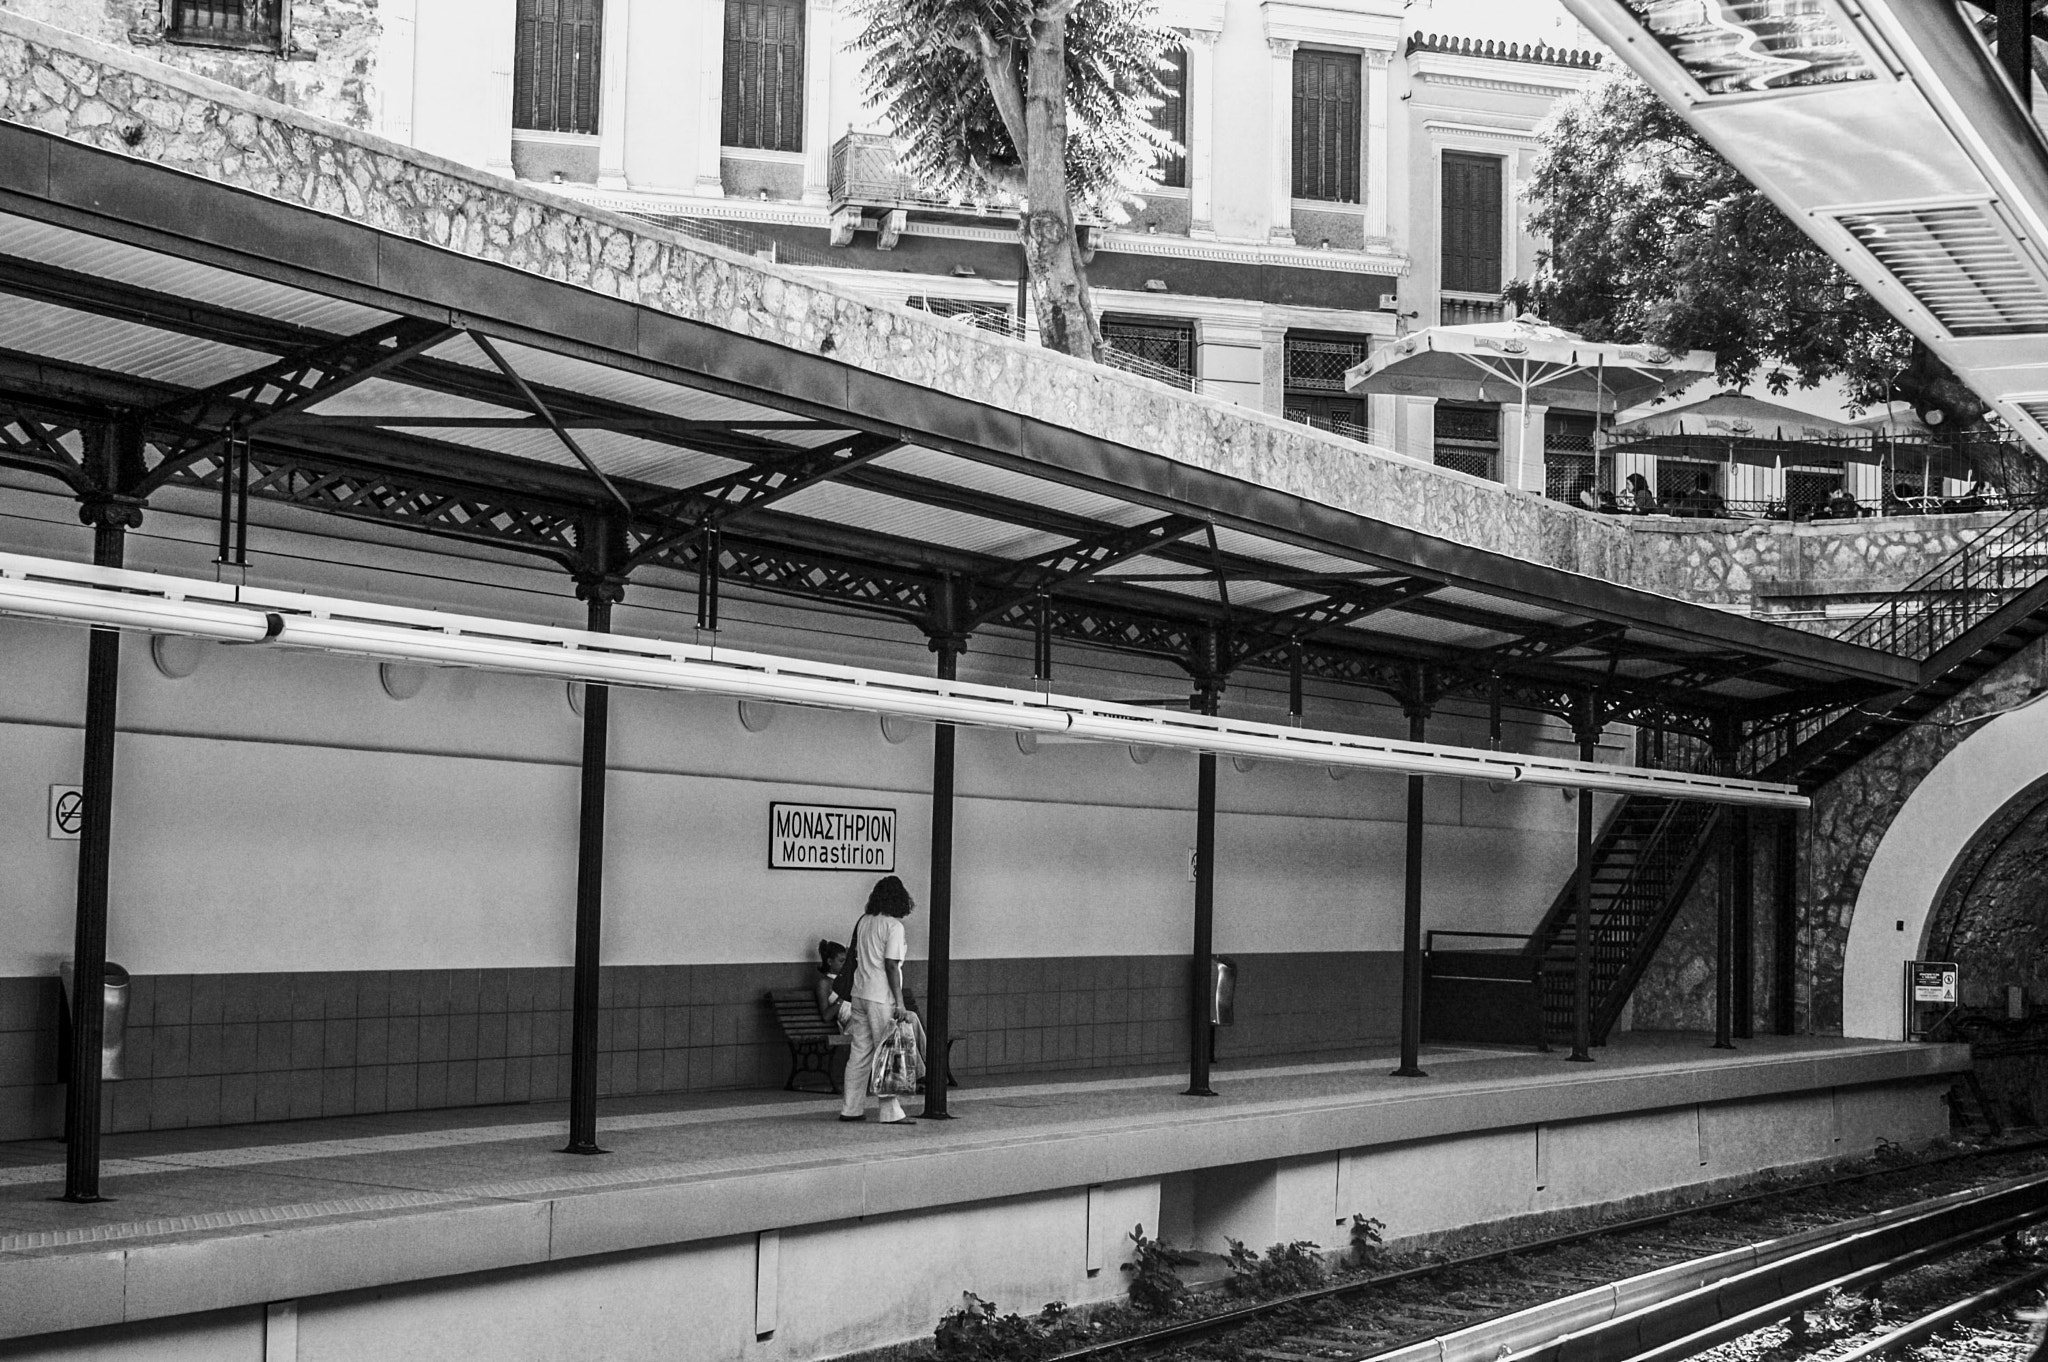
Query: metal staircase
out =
(1644, 863)
(1960, 619)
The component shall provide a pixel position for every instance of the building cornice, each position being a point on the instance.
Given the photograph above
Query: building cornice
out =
(1370, 24)
(1196, 16)
(1493, 73)
(1485, 132)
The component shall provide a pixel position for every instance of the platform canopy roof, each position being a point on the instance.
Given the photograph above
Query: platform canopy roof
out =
(1892, 134)
(399, 382)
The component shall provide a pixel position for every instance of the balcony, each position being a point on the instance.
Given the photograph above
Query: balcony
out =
(865, 173)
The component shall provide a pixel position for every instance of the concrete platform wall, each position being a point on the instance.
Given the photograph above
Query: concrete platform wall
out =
(817, 1290)
(228, 1049)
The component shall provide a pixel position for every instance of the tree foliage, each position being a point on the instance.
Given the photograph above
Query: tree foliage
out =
(1656, 238)
(1049, 101)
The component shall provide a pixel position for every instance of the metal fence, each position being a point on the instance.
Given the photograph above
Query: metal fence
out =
(228, 23)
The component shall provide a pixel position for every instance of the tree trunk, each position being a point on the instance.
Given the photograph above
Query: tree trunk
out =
(1052, 249)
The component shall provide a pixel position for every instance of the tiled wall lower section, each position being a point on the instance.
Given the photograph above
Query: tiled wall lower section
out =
(223, 1049)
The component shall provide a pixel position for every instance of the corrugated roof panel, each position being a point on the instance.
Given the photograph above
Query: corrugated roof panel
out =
(1289, 556)
(181, 278)
(621, 455)
(1013, 486)
(1425, 629)
(1498, 605)
(546, 369)
(44, 329)
(862, 509)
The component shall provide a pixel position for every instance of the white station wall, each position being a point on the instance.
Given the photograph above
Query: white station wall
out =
(279, 811)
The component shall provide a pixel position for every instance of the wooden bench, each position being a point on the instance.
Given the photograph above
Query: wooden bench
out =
(814, 1043)
(818, 1047)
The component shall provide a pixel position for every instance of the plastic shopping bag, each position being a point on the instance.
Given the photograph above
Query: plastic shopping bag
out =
(896, 1063)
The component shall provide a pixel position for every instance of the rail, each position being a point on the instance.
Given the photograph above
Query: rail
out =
(1183, 1331)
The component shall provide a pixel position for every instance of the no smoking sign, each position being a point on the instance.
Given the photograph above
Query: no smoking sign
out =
(67, 812)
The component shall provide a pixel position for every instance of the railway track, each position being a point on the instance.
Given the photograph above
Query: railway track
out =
(1566, 1293)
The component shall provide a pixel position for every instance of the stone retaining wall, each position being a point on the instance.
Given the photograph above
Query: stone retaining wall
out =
(1731, 562)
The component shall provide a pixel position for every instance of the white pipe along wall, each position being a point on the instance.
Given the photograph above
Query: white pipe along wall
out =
(55, 591)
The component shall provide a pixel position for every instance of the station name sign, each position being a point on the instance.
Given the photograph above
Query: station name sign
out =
(831, 837)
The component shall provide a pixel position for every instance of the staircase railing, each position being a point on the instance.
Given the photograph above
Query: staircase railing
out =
(1920, 619)
(1959, 592)
(1932, 612)
(1666, 857)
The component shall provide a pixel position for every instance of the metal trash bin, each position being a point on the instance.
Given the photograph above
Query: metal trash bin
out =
(113, 1016)
(1222, 991)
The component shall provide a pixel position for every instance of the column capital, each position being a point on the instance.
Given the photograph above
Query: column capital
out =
(1281, 47)
(107, 511)
(1204, 37)
(1377, 59)
(600, 588)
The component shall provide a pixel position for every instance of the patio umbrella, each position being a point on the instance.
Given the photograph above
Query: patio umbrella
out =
(1735, 416)
(1736, 428)
(1524, 361)
(1749, 430)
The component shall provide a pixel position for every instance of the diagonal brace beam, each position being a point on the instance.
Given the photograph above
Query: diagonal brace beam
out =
(998, 593)
(199, 423)
(34, 441)
(720, 501)
(542, 410)
(1278, 631)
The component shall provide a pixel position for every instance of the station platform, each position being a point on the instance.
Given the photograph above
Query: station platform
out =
(466, 1231)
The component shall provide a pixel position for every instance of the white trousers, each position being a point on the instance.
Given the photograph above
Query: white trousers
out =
(869, 1026)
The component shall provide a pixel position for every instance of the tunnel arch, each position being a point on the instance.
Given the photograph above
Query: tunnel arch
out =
(1958, 813)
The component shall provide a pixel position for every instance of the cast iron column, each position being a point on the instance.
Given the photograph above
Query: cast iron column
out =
(115, 453)
(1727, 738)
(1411, 912)
(1724, 935)
(1202, 963)
(938, 1000)
(1744, 889)
(600, 591)
(1785, 922)
(1582, 894)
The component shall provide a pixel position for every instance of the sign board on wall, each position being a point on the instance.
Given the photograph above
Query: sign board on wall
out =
(1934, 981)
(67, 812)
(1930, 984)
(831, 837)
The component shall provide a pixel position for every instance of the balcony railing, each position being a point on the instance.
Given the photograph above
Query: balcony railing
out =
(1469, 309)
(227, 23)
(865, 171)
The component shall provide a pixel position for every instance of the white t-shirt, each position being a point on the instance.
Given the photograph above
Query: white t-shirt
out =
(880, 938)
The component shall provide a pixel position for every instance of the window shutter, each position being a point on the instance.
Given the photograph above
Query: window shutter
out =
(1303, 116)
(1326, 133)
(522, 65)
(589, 63)
(763, 100)
(732, 98)
(1172, 118)
(1472, 222)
